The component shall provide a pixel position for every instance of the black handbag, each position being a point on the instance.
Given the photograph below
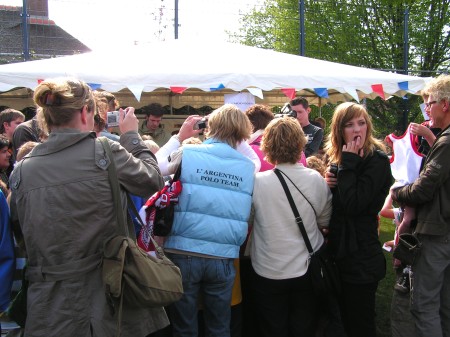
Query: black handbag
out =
(408, 248)
(323, 269)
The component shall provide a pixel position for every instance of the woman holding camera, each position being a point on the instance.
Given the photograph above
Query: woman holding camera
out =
(284, 298)
(62, 201)
(359, 189)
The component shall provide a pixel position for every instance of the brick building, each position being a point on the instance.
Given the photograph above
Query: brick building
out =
(46, 38)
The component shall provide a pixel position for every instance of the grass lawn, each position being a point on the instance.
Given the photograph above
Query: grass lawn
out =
(386, 286)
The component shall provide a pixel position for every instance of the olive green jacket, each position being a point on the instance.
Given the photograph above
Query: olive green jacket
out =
(62, 200)
(430, 193)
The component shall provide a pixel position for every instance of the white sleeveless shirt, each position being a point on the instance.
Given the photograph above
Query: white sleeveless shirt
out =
(406, 158)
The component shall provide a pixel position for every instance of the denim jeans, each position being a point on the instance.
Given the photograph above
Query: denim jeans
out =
(214, 279)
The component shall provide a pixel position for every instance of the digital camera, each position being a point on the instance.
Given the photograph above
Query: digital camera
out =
(333, 169)
(201, 124)
(286, 110)
(112, 118)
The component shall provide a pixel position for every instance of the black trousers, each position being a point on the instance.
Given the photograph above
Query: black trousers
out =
(285, 308)
(358, 309)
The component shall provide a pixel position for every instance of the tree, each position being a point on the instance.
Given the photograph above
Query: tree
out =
(365, 33)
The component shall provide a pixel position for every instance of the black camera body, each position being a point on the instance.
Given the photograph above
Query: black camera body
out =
(286, 110)
(333, 169)
(201, 124)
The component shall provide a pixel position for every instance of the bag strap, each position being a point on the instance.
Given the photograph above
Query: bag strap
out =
(115, 188)
(118, 209)
(298, 190)
(177, 174)
(298, 218)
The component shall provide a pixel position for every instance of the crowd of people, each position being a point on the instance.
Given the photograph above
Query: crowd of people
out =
(244, 263)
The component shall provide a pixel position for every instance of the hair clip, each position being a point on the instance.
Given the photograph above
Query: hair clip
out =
(49, 99)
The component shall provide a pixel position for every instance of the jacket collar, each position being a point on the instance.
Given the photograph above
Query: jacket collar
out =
(61, 139)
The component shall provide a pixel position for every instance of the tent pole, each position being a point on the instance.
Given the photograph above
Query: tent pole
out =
(320, 106)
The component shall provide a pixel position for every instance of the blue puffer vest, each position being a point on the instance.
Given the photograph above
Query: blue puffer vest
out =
(214, 205)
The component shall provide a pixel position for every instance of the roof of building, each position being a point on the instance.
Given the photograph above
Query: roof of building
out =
(46, 38)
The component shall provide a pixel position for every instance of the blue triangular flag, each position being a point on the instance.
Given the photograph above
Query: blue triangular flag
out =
(94, 86)
(221, 86)
(321, 92)
(403, 85)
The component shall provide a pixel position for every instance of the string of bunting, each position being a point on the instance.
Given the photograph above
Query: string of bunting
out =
(288, 92)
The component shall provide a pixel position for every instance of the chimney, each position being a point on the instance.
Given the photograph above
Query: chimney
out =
(38, 8)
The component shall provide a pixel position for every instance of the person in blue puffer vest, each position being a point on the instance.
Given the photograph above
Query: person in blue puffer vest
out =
(210, 221)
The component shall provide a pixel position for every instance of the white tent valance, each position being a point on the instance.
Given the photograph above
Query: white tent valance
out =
(177, 68)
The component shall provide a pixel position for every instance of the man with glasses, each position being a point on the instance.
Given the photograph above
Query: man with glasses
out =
(430, 194)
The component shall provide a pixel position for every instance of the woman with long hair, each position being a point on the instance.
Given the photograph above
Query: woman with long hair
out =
(359, 189)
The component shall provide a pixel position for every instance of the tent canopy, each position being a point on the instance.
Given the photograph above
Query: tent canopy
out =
(179, 68)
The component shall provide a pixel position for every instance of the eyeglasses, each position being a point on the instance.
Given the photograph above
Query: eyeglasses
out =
(429, 104)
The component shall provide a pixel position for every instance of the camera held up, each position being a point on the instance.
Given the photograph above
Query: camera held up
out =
(334, 169)
(112, 118)
(201, 124)
(286, 110)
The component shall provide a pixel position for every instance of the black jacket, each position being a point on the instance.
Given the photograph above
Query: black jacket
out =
(362, 186)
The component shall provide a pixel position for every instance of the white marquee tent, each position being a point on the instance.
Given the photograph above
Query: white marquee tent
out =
(184, 73)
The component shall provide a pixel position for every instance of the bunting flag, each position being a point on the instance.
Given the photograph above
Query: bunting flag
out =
(289, 92)
(221, 86)
(94, 86)
(136, 90)
(178, 90)
(321, 92)
(403, 85)
(40, 80)
(256, 92)
(352, 92)
(378, 89)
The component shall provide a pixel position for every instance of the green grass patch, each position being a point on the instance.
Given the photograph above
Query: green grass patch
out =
(386, 286)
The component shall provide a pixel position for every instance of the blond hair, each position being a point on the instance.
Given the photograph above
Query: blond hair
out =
(24, 149)
(191, 140)
(151, 145)
(59, 100)
(317, 164)
(283, 141)
(439, 87)
(342, 115)
(229, 124)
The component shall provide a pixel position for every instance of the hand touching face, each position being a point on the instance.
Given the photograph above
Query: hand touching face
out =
(355, 131)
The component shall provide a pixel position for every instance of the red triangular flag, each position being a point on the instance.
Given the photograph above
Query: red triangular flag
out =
(40, 80)
(378, 89)
(289, 92)
(178, 90)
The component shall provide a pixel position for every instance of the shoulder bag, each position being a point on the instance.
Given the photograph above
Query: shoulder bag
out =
(407, 249)
(324, 272)
(129, 273)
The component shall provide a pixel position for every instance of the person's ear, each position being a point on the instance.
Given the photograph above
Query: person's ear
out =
(446, 105)
(84, 114)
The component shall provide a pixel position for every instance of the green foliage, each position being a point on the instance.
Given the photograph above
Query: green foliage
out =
(365, 33)
(385, 287)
